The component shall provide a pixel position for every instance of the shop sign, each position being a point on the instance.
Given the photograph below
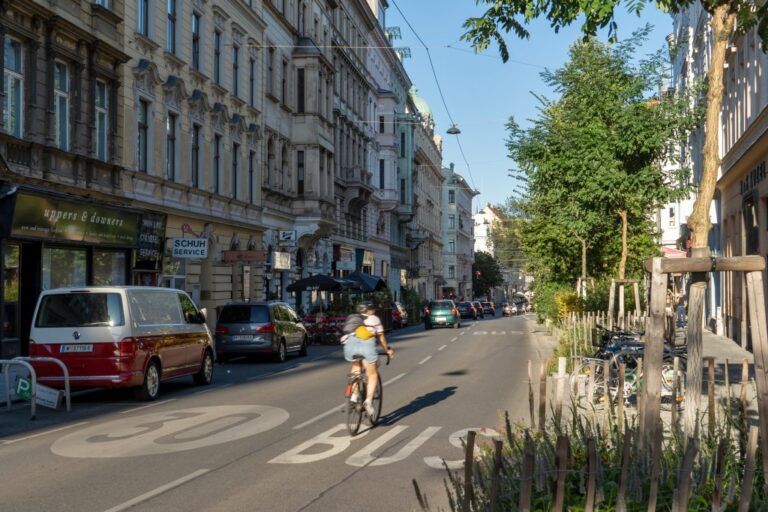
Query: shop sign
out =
(57, 219)
(45, 396)
(235, 256)
(282, 261)
(752, 179)
(190, 248)
(286, 235)
(149, 245)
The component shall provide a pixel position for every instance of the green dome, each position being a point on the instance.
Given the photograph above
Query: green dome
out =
(420, 103)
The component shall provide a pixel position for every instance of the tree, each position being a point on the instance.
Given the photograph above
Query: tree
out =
(486, 273)
(727, 17)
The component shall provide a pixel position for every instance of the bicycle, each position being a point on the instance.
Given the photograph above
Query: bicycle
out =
(358, 383)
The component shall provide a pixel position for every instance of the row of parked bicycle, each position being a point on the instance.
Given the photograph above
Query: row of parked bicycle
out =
(625, 348)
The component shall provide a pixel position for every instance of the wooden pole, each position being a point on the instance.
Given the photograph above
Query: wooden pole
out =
(711, 395)
(526, 481)
(496, 479)
(703, 263)
(589, 505)
(623, 324)
(749, 471)
(468, 464)
(638, 306)
(621, 504)
(684, 479)
(543, 395)
(611, 299)
(561, 460)
(743, 406)
(561, 366)
(675, 387)
(620, 397)
(717, 492)
(756, 303)
(653, 492)
(692, 407)
(652, 357)
(531, 400)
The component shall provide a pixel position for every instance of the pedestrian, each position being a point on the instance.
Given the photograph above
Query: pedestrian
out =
(681, 305)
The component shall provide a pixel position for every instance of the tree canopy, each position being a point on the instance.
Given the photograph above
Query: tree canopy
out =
(486, 273)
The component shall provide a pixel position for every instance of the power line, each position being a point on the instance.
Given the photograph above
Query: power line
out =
(439, 89)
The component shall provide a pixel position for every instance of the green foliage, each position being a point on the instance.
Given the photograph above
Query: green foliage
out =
(489, 273)
(545, 299)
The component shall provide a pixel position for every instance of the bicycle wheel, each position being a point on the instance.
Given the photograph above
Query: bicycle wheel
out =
(376, 403)
(579, 384)
(355, 409)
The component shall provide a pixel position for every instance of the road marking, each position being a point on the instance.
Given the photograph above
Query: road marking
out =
(441, 348)
(393, 379)
(455, 338)
(212, 389)
(480, 333)
(157, 492)
(365, 456)
(19, 439)
(161, 402)
(425, 359)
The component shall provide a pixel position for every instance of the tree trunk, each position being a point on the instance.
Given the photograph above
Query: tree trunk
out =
(583, 257)
(624, 251)
(699, 223)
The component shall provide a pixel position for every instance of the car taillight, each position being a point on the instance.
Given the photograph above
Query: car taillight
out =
(222, 329)
(266, 328)
(127, 347)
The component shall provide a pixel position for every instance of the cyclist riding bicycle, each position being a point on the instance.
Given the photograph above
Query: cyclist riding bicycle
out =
(362, 331)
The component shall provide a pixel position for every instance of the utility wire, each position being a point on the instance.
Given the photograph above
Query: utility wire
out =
(439, 89)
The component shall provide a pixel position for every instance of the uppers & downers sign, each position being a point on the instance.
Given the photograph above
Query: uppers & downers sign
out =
(48, 217)
(192, 248)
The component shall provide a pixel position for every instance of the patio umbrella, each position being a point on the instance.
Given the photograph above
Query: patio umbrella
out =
(368, 283)
(322, 283)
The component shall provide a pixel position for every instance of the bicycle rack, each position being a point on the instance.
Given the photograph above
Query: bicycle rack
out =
(63, 369)
(8, 362)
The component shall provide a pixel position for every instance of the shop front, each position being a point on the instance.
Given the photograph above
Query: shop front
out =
(49, 241)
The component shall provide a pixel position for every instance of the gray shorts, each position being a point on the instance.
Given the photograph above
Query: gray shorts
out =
(366, 348)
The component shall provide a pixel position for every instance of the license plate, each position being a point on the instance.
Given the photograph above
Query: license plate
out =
(243, 337)
(440, 319)
(76, 348)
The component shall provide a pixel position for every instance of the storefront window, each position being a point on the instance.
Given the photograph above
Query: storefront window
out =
(64, 267)
(174, 271)
(109, 268)
(10, 270)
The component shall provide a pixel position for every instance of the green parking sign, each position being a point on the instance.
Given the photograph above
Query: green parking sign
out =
(23, 388)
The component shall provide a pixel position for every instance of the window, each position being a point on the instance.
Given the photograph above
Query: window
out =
(102, 121)
(381, 124)
(251, 177)
(270, 71)
(451, 197)
(217, 57)
(216, 162)
(252, 81)
(300, 172)
(451, 222)
(236, 70)
(195, 41)
(451, 272)
(13, 103)
(142, 15)
(103, 3)
(61, 100)
(170, 27)
(451, 246)
(170, 146)
(235, 167)
(195, 157)
(284, 83)
(402, 144)
(671, 217)
(402, 190)
(142, 135)
(300, 90)
(382, 164)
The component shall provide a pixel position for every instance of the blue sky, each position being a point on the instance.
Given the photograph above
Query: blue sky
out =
(481, 91)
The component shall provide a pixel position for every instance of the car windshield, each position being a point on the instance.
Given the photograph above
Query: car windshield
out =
(244, 314)
(80, 310)
(441, 304)
(464, 305)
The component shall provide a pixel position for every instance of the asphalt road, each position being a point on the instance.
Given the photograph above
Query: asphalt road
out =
(271, 436)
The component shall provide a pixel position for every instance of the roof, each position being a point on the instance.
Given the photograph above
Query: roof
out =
(420, 103)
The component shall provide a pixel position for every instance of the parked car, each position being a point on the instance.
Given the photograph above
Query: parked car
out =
(121, 336)
(441, 312)
(478, 309)
(253, 328)
(467, 310)
(507, 309)
(489, 308)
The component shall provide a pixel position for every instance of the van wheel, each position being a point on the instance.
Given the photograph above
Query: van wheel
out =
(205, 375)
(150, 388)
(280, 356)
(303, 350)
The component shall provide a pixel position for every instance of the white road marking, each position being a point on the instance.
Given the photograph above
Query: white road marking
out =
(480, 333)
(318, 417)
(441, 348)
(458, 439)
(333, 445)
(425, 359)
(212, 389)
(454, 338)
(365, 456)
(157, 492)
(19, 439)
(161, 402)
(393, 379)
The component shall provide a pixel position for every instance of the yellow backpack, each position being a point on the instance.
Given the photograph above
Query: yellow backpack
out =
(363, 333)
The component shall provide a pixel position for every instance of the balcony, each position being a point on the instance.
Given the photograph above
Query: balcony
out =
(354, 232)
(387, 198)
(359, 186)
(415, 237)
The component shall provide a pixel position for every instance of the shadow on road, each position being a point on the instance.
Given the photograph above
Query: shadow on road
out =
(417, 404)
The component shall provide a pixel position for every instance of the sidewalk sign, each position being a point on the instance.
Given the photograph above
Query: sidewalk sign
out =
(47, 397)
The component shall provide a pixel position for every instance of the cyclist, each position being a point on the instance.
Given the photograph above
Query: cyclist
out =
(361, 340)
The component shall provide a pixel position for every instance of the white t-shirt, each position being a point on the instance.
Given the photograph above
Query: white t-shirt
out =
(373, 324)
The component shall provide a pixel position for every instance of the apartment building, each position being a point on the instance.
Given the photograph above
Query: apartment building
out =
(457, 234)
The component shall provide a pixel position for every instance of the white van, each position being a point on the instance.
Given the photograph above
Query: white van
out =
(121, 336)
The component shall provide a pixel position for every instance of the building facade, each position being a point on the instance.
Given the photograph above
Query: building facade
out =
(457, 234)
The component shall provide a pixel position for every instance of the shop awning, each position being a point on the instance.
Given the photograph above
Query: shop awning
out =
(669, 252)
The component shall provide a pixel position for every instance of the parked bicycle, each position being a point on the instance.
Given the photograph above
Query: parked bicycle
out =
(355, 394)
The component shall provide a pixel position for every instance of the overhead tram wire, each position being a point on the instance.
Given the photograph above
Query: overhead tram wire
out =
(439, 89)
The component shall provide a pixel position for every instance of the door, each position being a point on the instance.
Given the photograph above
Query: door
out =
(296, 332)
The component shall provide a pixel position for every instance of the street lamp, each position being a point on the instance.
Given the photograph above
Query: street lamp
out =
(453, 130)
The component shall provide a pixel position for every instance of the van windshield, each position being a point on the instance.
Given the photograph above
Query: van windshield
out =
(80, 310)
(244, 314)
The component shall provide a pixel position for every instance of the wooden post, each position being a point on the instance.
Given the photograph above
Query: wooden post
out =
(606, 392)
(561, 460)
(653, 492)
(711, 395)
(468, 464)
(717, 492)
(495, 479)
(652, 357)
(623, 324)
(591, 384)
(756, 300)
(749, 471)
(696, 299)
(526, 479)
(620, 397)
(684, 479)
(543, 395)
(561, 366)
(611, 298)
(675, 387)
(743, 405)
(621, 504)
(638, 306)
(589, 505)
(531, 400)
